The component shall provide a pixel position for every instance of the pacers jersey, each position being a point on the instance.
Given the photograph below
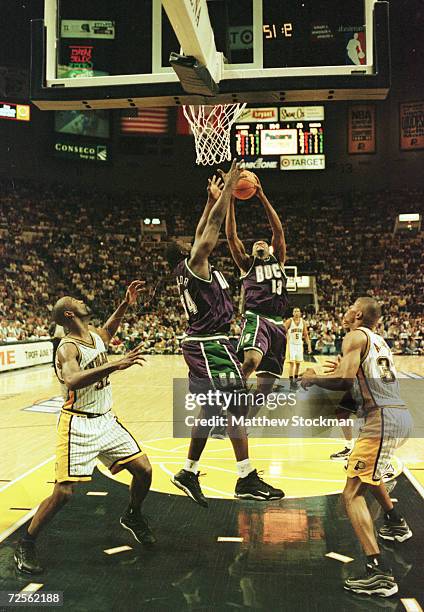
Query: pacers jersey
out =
(295, 333)
(96, 398)
(264, 287)
(376, 383)
(207, 303)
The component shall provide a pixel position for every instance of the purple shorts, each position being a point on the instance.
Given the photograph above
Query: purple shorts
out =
(268, 338)
(212, 364)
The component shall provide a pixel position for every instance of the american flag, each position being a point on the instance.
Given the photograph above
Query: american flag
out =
(145, 121)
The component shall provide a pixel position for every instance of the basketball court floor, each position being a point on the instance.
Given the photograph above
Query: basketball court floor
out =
(233, 555)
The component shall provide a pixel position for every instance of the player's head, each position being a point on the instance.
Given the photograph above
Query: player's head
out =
(68, 309)
(261, 250)
(177, 251)
(297, 313)
(364, 311)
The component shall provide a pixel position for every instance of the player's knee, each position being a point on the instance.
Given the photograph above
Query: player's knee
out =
(251, 362)
(63, 492)
(143, 469)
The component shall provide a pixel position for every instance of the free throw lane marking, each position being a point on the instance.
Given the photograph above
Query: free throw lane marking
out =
(117, 549)
(32, 587)
(337, 557)
(229, 539)
(96, 493)
(411, 605)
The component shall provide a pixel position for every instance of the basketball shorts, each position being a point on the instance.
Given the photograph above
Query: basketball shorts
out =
(266, 336)
(294, 352)
(83, 441)
(383, 431)
(212, 364)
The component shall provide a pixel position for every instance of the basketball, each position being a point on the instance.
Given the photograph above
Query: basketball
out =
(247, 186)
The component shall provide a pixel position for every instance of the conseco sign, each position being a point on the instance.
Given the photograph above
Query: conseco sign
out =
(81, 151)
(15, 112)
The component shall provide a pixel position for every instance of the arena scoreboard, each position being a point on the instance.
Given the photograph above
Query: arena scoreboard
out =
(284, 138)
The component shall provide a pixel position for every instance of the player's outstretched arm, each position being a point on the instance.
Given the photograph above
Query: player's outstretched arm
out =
(205, 244)
(278, 238)
(111, 326)
(343, 376)
(236, 246)
(75, 378)
(215, 185)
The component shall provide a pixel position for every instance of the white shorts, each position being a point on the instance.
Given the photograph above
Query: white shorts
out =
(295, 352)
(82, 441)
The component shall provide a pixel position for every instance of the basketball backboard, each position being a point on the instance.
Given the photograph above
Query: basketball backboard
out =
(116, 55)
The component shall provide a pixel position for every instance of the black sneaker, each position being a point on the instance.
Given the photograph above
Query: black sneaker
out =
(253, 487)
(341, 455)
(137, 524)
(26, 558)
(293, 385)
(395, 531)
(189, 483)
(375, 581)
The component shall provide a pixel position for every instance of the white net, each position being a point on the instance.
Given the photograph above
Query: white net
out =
(211, 127)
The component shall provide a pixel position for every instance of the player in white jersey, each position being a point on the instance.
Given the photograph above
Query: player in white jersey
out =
(368, 370)
(87, 428)
(297, 333)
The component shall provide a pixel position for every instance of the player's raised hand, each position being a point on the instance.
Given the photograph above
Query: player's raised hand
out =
(133, 291)
(330, 366)
(308, 378)
(215, 186)
(232, 176)
(133, 357)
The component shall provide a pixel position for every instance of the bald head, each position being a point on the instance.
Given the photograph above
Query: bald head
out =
(371, 310)
(67, 309)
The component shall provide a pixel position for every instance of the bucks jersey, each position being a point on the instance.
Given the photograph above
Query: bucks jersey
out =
(295, 332)
(376, 383)
(96, 398)
(264, 287)
(206, 303)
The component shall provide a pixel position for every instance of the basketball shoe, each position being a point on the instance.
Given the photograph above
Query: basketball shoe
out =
(253, 486)
(137, 524)
(25, 557)
(374, 581)
(189, 483)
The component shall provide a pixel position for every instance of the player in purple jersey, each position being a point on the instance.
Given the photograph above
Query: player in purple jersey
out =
(211, 359)
(263, 339)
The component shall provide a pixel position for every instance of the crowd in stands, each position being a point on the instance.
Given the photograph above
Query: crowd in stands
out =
(56, 241)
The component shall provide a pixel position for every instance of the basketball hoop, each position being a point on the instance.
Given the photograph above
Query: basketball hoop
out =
(211, 127)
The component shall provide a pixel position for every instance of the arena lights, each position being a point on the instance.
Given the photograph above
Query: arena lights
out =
(409, 217)
(154, 221)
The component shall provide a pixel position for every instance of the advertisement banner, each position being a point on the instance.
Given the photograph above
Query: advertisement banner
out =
(258, 115)
(73, 28)
(81, 151)
(15, 112)
(411, 126)
(302, 162)
(25, 354)
(301, 113)
(361, 129)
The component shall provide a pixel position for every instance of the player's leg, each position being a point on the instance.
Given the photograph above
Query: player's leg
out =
(363, 473)
(25, 556)
(199, 357)
(252, 344)
(76, 455)
(120, 450)
(251, 361)
(376, 580)
(395, 527)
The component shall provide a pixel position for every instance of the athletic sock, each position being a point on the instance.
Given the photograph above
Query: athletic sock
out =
(349, 444)
(393, 516)
(191, 466)
(374, 560)
(244, 468)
